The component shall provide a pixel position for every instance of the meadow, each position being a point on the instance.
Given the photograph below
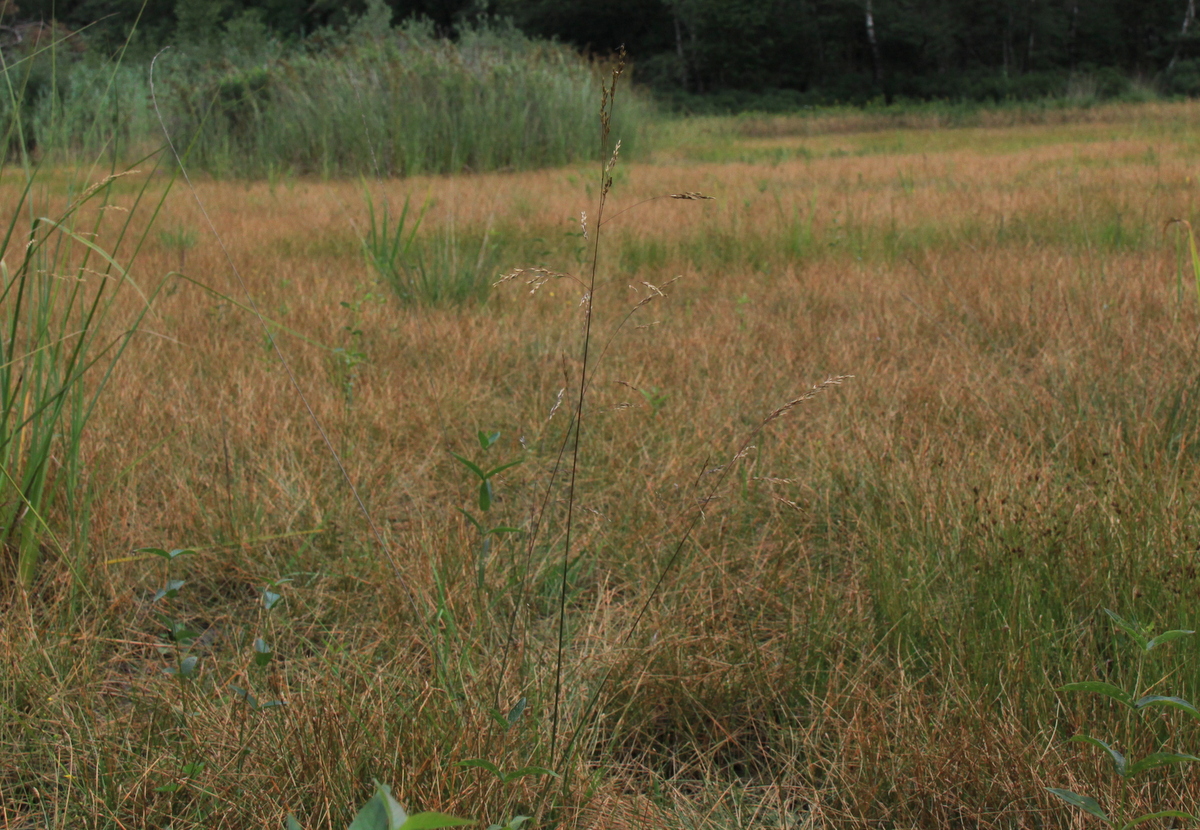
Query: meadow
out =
(851, 613)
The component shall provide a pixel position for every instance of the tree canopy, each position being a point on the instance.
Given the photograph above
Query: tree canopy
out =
(846, 50)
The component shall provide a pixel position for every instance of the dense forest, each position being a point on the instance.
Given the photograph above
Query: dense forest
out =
(802, 51)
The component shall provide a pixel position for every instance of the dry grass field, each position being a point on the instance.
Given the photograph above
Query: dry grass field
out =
(870, 610)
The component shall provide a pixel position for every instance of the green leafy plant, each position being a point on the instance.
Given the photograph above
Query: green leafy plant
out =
(188, 773)
(179, 634)
(487, 497)
(655, 398)
(383, 812)
(514, 823)
(347, 358)
(506, 721)
(263, 653)
(1135, 702)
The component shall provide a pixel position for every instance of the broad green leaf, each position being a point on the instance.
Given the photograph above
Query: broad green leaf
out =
(171, 591)
(262, 652)
(292, 824)
(1168, 636)
(187, 666)
(503, 467)
(470, 465)
(1119, 762)
(1163, 700)
(526, 771)
(432, 821)
(1130, 627)
(514, 714)
(271, 704)
(170, 555)
(486, 441)
(482, 763)
(381, 812)
(177, 631)
(1160, 759)
(192, 770)
(485, 495)
(239, 692)
(1083, 802)
(1162, 814)
(167, 788)
(1107, 689)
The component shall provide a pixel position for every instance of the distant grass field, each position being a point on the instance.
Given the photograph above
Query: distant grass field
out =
(877, 604)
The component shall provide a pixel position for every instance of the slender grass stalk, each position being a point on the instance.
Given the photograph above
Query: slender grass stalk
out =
(607, 163)
(58, 347)
(1194, 258)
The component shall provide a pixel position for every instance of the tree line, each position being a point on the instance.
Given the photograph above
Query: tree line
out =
(803, 51)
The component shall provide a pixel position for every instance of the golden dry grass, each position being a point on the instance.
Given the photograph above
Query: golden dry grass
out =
(869, 625)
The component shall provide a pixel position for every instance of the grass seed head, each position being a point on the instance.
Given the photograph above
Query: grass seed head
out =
(807, 396)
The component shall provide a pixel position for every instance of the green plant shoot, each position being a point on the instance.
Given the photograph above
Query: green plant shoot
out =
(486, 497)
(1125, 768)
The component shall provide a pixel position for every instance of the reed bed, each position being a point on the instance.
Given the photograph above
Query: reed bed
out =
(374, 101)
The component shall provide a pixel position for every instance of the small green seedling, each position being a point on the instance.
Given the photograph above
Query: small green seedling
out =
(186, 773)
(514, 823)
(655, 398)
(487, 497)
(251, 701)
(347, 359)
(180, 634)
(383, 812)
(1135, 702)
(263, 653)
(171, 587)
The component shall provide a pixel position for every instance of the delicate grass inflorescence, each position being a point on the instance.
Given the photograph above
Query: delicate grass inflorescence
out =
(876, 600)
